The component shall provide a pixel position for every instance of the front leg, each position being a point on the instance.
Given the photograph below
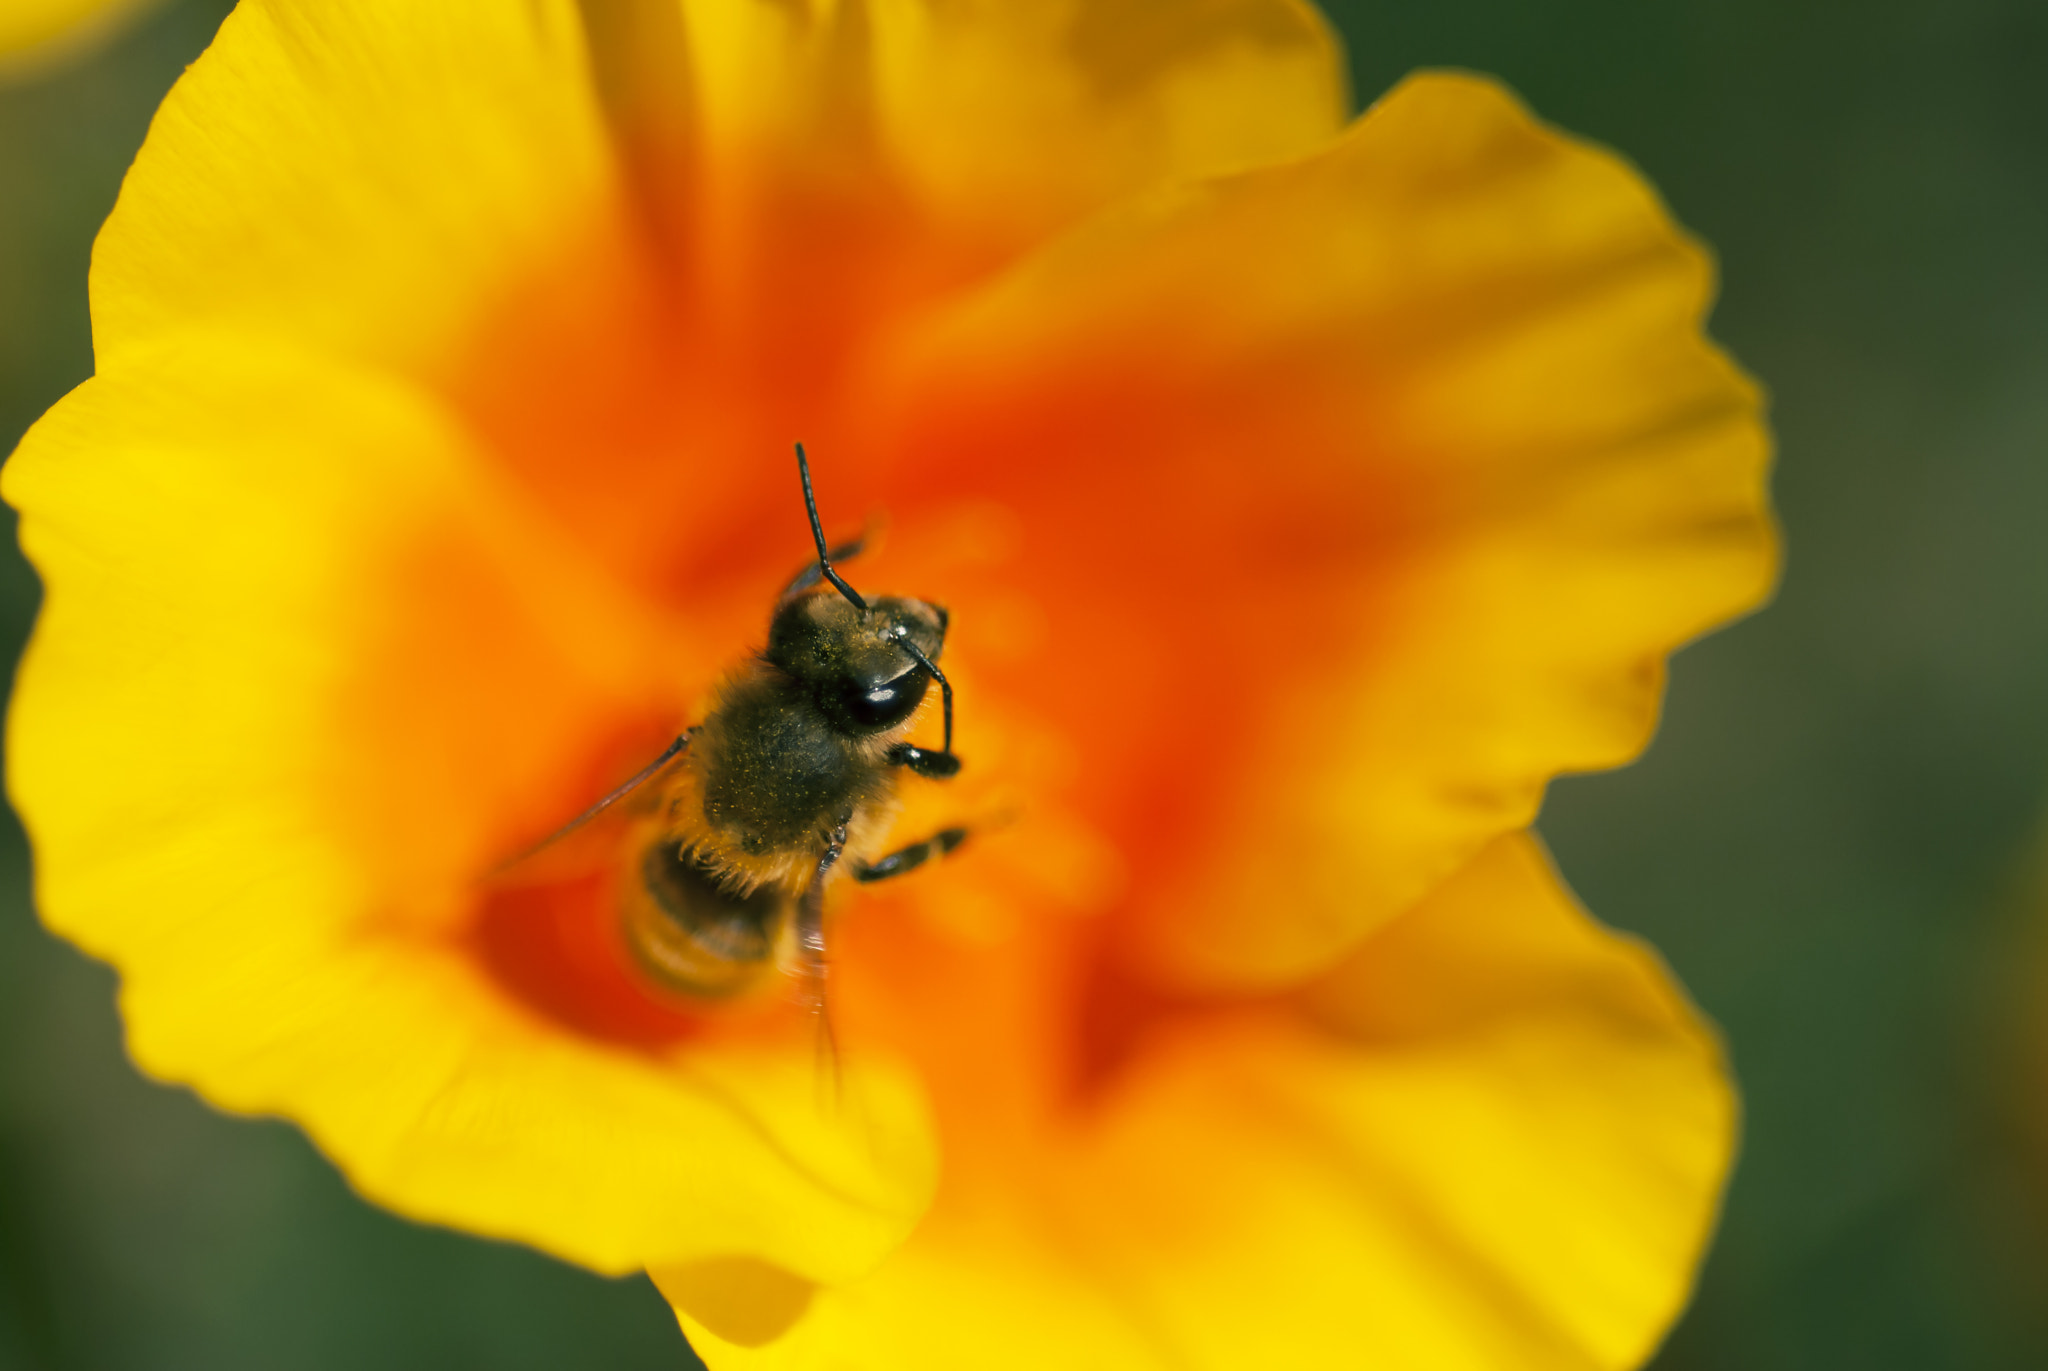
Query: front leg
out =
(939, 766)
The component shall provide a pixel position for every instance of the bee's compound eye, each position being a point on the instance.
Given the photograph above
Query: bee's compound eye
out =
(877, 705)
(692, 936)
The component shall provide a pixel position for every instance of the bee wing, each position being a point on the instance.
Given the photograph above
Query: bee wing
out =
(638, 779)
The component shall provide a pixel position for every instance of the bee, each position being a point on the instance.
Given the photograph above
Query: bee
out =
(790, 775)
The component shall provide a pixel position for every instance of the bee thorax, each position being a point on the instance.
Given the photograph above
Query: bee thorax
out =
(774, 775)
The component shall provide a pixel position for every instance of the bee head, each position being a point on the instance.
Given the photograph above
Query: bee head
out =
(864, 668)
(867, 665)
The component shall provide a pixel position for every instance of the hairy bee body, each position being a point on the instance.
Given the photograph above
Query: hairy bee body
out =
(767, 779)
(791, 775)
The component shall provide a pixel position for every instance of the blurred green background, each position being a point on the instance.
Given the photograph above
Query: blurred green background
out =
(1834, 839)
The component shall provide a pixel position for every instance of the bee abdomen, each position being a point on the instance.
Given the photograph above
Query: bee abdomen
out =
(692, 934)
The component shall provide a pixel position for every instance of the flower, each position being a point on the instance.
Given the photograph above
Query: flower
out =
(1305, 497)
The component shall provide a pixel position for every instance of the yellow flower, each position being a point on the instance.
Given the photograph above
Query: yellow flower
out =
(1304, 496)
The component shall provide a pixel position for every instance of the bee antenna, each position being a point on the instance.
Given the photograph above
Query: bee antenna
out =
(803, 469)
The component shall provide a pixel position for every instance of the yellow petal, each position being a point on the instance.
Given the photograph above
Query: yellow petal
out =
(355, 176)
(1380, 484)
(365, 176)
(1012, 114)
(306, 660)
(1494, 1137)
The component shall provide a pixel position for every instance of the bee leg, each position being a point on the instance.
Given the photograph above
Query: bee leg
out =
(910, 858)
(925, 762)
(810, 907)
(810, 940)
